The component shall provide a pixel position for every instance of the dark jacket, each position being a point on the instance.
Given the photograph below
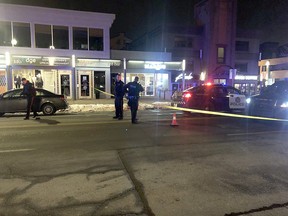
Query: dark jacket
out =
(134, 88)
(29, 90)
(119, 90)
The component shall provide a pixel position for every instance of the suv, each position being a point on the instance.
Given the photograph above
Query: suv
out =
(272, 102)
(214, 97)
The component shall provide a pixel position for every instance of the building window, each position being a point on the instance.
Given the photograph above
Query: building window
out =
(60, 37)
(80, 38)
(96, 39)
(5, 33)
(241, 67)
(183, 42)
(21, 33)
(43, 36)
(242, 46)
(221, 55)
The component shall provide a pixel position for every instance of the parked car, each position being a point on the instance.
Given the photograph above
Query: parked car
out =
(12, 102)
(214, 97)
(272, 102)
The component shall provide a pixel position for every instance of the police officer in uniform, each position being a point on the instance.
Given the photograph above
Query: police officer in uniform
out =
(133, 89)
(118, 93)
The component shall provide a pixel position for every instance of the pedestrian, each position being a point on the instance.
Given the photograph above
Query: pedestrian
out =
(118, 94)
(133, 89)
(30, 92)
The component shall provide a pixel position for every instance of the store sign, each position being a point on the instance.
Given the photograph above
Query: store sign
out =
(243, 77)
(187, 77)
(155, 66)
(40, 61)
(97, 63)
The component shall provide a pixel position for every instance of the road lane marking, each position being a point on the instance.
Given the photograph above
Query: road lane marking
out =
(255, 133)
(15, 150)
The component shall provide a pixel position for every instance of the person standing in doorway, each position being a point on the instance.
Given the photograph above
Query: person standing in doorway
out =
(133, 89)
(118, 93)
(30, 92)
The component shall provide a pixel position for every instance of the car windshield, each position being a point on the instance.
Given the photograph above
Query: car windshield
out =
(232, 90)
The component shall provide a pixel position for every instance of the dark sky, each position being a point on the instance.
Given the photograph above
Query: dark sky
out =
(268, 15)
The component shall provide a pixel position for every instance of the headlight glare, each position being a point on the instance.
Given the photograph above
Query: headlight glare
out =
(284, 105)
(248, 100)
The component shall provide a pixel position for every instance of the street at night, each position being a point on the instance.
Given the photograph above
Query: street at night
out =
(90, 164)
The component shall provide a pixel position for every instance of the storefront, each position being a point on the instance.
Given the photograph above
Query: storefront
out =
(50, 73)
(247, 84)
(93, 77)
(154, 76)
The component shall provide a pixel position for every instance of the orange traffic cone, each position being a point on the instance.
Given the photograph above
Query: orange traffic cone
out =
(174, 122)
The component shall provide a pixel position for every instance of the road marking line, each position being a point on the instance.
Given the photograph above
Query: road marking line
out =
(255, 133)
(15, 150)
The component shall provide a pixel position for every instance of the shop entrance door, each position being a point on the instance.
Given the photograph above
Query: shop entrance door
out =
(99, 83)
(64, 79)
(84, 81)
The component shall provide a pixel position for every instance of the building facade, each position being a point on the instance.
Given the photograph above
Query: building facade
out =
(63, 51)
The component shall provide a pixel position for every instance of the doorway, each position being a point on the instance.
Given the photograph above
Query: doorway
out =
(64, 79)
(84, 87)
(99, 84)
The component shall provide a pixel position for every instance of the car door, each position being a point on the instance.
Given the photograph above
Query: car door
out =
(13, 102)
(264, 103)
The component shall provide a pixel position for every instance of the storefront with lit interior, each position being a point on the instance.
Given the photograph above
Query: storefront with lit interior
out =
(154, 76)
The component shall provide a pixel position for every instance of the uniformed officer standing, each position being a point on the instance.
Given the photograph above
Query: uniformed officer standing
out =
(133, 89)
(118, 93)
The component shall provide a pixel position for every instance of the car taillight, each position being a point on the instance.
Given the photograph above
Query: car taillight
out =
(187, 95)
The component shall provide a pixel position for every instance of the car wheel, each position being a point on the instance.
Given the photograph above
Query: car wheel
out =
(1, 114)
(210, 107)
(48, 109)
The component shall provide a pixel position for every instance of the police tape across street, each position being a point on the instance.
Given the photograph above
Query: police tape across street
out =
(211, 112)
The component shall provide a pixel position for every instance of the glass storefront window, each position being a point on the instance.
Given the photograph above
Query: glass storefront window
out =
(151, 82)
(21, 32)
(60, 37)
(43, 37)
(96, 39)
(80, 38)
(5, 33)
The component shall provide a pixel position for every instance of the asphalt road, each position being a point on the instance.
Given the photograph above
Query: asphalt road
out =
(90, 164)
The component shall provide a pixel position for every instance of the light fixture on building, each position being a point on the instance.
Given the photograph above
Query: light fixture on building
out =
(52, 47)
(14, 42)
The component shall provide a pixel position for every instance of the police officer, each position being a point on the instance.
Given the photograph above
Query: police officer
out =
(133, 89)
(118, 93)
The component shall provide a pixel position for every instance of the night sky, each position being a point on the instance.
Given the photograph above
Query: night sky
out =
(268, 15)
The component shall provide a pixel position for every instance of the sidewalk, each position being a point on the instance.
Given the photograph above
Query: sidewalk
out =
(94, 105)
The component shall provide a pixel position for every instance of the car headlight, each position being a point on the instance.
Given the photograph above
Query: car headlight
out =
(284, 105)
(248, 100)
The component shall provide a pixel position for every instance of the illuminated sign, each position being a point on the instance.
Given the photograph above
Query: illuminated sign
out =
(247, 77)
(187, 77)
(38, 60)
(155, 66)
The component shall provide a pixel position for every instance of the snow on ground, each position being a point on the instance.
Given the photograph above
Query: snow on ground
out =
(75, 108)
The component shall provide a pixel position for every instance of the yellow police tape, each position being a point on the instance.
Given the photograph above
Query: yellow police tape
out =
(212, 112)
(107, 93)
(224, 114)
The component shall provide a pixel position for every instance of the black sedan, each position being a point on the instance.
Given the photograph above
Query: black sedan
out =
(214, 97)
(47, 102)
(272, 102)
